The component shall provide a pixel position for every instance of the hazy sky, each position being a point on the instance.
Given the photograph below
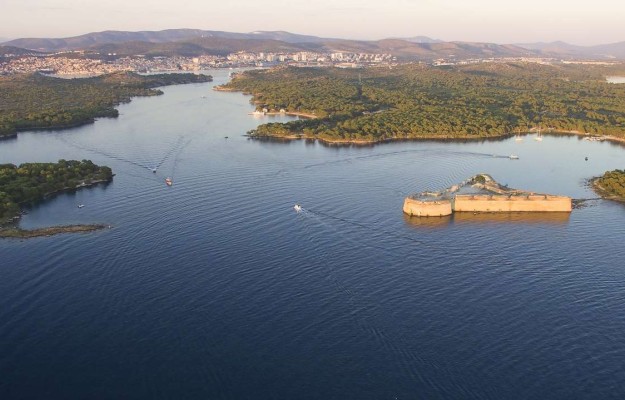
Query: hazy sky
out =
(574, 21)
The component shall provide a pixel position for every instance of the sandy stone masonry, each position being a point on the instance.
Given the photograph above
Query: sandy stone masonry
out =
(492, 198)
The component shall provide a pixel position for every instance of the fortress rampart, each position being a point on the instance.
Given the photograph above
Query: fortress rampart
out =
(418, 208)
(504, 203)
(489, 197)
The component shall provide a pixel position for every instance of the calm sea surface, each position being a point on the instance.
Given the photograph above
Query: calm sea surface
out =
(215, 288)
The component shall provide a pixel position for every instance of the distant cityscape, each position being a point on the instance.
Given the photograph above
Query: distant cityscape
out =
(78, 63)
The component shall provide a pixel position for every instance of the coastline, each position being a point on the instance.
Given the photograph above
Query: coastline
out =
(293, 114)
(9, 228)
(604, 194)
(86, 185)
(151, 89)
(364, 142)
(18, 233)
(609, 138)
(77, 124)
(223, 89)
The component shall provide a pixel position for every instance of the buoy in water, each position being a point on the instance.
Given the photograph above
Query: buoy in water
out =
(297, 208)
(586, 158)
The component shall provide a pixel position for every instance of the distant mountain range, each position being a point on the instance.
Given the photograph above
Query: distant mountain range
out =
(421, 39)
(193, 42)
(566, 50)
(4, 50)
(166, 36)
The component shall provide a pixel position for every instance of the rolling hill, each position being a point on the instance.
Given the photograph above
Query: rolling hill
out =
(565, 50)
(164, 36)
(193, 42)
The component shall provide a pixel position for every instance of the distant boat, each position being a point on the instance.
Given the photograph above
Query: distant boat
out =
(518, 137)
(514, 157)
(297, 208)
(539, 137)
(168, 181)
(154, 170)
(81, 205)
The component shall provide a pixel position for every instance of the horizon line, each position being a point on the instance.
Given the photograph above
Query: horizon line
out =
(9, 39)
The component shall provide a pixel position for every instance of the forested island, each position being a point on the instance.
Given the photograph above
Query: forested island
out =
(611, 185)
(30, 183)
(36, 101)
(416, 101)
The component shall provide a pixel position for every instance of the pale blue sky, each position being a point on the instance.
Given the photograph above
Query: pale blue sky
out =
(574, 21)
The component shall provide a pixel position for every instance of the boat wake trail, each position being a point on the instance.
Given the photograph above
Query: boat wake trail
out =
(104, 153)
(176, 148)
(139, 161)
(437, 152)
(180, 148)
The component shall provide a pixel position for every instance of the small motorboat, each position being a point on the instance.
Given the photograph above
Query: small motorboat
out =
(168, 181)
(153, 170)
(297, 208)
(81, 205)
(513, 157)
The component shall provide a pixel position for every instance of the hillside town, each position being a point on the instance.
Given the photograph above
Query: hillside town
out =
(79, 63)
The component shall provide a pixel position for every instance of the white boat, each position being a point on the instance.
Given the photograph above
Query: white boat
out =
(539, 137)
(518, 137)
(514, 157)
(168, 181)
(81, 205)
(297, 208)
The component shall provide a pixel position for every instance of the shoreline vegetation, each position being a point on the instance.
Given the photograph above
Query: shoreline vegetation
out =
(418, 102)
(40, 102)
(18, 233)
(32, 183)
(611, 185)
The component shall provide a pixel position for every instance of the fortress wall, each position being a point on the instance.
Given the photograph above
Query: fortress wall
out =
(496, 203)
(418, 208)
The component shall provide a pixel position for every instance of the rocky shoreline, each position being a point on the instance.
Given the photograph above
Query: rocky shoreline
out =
(17, 233)
(9, 226)
(602, 192)
(364, 142)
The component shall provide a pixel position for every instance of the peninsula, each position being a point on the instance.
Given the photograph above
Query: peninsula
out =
(611, 185)
(36, 101)
(418, 101)
(30, 183)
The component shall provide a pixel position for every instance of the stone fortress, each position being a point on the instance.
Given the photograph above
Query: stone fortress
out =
(482, 194)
